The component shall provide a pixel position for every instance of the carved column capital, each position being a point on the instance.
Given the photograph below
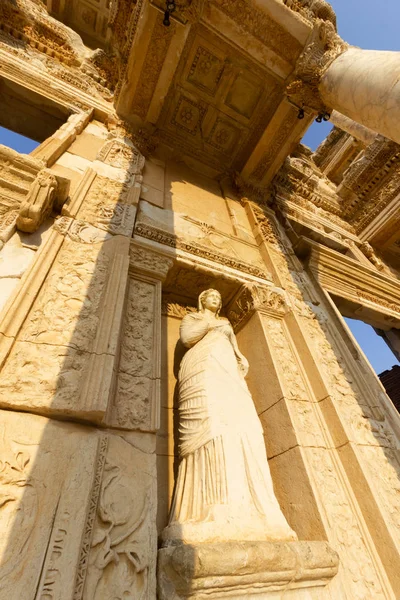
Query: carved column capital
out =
(313, 9)
(149, 262)
(256, 297)
(324, 46)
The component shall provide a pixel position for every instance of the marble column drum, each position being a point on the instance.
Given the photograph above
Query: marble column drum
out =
(365, 86)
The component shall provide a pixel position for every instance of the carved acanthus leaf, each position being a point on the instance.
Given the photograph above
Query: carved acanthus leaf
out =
(171, 307)
(148, 261)
(324, 47)
(254, 297)
(313, 9)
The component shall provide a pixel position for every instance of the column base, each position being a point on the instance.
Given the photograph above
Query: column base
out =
(251, 570)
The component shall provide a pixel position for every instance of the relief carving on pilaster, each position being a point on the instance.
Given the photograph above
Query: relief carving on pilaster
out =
(268, 228)
(108, 204)
(90, 519)
(119, 544)
(18, 502)
(135, 405)
(256, 297)
(325, 45)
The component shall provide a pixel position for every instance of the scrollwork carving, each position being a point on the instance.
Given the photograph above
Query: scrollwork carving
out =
(324, 47)
(254, 297)
(145, 259)
(90, 519)
(18, 503)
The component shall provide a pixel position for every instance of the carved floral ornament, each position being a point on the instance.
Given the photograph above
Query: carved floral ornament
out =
(312, 9)
(255, 297)
(148, 261)
(325, 45)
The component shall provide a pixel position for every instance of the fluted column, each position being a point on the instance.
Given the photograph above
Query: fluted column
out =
(364, 85)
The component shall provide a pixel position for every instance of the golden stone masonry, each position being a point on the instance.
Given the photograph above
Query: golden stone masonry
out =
(184, 412)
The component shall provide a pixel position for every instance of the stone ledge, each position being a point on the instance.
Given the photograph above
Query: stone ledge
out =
(245, 570)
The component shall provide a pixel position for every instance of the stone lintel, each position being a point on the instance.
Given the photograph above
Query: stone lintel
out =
(241, 569)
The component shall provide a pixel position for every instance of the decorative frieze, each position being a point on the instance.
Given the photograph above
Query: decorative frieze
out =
(171, 240)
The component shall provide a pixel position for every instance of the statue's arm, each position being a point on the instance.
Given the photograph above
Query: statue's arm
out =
(192, 330)
(242, 360)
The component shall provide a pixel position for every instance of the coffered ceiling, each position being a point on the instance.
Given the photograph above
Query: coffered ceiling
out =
(89, 18)
(210, 87)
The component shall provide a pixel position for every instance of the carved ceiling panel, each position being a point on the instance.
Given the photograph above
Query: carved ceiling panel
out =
(89, 18)
(216, 101)
(210, 87)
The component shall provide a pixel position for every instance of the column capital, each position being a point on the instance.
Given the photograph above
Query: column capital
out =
(323, 47)
(256, 297)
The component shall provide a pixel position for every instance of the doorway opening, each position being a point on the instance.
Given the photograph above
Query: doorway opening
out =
(373, 344)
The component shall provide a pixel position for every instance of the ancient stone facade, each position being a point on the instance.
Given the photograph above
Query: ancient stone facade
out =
(169, 163)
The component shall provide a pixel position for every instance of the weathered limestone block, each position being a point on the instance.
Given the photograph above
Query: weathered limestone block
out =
(138, 374)
(109, 189)
(236, 570)
(77, 516)
(63, 358)
(52, 148)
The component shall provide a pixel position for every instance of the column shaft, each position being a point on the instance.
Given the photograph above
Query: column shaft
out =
(364, 85)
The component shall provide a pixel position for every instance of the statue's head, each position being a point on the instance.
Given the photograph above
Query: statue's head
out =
(210, 299)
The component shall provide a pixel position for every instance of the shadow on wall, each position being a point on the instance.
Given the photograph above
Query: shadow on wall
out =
(77, 496)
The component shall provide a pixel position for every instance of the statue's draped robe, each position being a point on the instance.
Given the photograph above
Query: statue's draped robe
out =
(224, 477)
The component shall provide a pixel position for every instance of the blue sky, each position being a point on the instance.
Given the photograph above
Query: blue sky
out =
(16, 141)
(364, 23)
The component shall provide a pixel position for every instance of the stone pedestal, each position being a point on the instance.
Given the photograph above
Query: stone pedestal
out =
(236, 570)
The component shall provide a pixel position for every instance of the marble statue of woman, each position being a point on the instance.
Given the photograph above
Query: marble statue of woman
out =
(224, 489)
